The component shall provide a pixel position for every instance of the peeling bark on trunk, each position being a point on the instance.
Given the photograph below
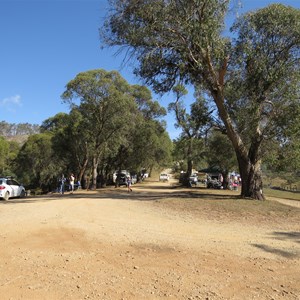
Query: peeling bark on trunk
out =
(225, 182)
(249, 165)
(189, 163)
(252, 186)
(94, 173)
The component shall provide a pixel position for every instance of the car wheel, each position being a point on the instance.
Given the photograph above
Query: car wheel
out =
(22, 195)
(6, 196)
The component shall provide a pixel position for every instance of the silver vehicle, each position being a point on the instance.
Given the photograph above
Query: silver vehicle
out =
(193, 179)
(10, 188)
(164, 177)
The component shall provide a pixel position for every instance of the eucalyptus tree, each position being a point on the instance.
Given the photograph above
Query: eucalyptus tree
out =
(179, 39)
(147, 145)
(69, 142)
(264, 82)
(220, 154)
(152, 146)
(284, 152)
(194, 125)
(4, 156)
(149, 108)
(54, 124)
(181, 153)
(107, 110)
(8, 152)
(36, 163)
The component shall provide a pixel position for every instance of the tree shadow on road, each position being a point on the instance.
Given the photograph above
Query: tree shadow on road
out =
(140, 193)
(279, 252)
(283, 236)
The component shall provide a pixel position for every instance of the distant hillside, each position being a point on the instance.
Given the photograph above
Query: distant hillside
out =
(17, 130)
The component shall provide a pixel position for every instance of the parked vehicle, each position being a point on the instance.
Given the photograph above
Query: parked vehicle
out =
(10, 188)
(234, 185)
(134, 178)
(193, 180)
(121, 179)
(214, 184)
(164, 177)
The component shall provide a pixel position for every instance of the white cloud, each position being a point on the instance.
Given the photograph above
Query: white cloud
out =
(11, 103)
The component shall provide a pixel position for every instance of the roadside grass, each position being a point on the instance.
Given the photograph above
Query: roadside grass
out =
(233, 209)
(227, 206)
(282, 194)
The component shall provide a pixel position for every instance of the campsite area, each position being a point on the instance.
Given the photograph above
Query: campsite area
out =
(159, 242)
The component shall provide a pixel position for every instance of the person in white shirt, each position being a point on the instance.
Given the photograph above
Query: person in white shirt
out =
(72, 181)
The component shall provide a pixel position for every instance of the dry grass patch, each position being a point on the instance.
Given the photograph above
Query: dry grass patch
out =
(232, 209)
(283, 194)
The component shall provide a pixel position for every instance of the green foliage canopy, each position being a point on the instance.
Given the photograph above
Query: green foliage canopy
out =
(248, 78)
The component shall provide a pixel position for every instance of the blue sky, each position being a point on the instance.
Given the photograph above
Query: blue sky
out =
(46, 43)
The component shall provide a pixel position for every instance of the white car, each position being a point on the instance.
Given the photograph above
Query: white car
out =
(193, 179)
(164, 177)
(10, 188)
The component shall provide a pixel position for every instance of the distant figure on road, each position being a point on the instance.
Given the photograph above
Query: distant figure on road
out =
(129, 182)
(62, 181)
(78, 185)
(72, 182)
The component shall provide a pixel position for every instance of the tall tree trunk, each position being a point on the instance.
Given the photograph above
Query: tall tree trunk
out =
(83, 166)
(82, 170)
(190, 157)
(189, 167)
(225, 182)
(249, 164)
(189, 163)
(250, 172)
(95, 173)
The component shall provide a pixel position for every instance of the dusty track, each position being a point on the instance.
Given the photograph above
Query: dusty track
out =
(111, 244)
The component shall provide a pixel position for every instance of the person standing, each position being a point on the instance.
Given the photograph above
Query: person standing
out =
(62, 181)
(129, 183)
(72, 182)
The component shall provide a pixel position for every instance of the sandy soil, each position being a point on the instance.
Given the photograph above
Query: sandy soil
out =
(110, 244)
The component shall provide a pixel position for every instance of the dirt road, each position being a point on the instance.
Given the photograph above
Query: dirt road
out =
(111, 244)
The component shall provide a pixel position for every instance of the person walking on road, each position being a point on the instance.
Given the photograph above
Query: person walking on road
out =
(72, 182)
(62, 181)
(129, 183)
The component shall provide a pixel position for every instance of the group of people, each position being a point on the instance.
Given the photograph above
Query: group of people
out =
(62, 182)
(71, 180)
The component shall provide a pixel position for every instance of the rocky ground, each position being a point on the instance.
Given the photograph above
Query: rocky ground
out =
(158, 242)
